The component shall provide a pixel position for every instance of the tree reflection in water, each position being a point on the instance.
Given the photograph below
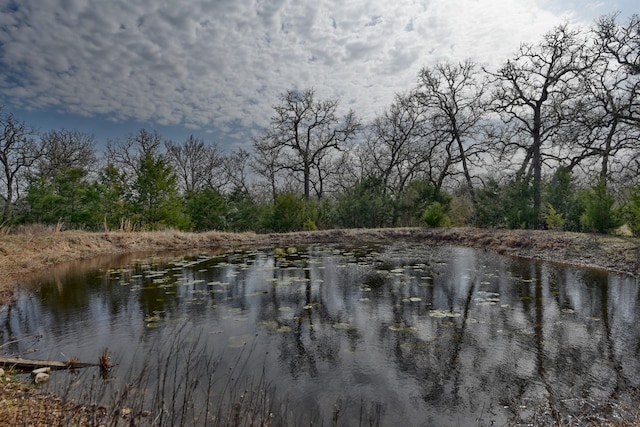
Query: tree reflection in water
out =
(409, 333)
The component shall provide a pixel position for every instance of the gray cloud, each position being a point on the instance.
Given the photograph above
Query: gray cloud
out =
(217, 65)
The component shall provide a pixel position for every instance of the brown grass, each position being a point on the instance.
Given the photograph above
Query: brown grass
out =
(35, 249)
(26, 252)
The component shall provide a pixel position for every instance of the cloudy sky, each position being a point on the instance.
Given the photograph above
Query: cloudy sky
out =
(215, 68)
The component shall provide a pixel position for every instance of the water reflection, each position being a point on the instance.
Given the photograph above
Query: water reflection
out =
(415, 334)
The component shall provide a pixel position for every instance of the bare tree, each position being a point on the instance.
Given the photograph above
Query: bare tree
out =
(266, 162)
(343, 171)
(64, 149)
(126, 156)
(621, 41)
(196, 164)
(18, 152)
(396, 147)
(612, 117)
(236, 171)
(454, 96)
(599, 130)
(305, 130)
(531, 92)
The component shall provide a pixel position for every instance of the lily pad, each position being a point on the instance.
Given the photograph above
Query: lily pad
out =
(441, 314)
(270, 324)
(403, 328)
(239, 341)
(342, 325)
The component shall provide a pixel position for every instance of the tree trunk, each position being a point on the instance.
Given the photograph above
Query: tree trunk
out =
(467, 176)
(604, 170)
(307, 180)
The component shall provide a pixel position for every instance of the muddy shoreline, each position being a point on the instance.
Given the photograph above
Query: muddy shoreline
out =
(23, 255)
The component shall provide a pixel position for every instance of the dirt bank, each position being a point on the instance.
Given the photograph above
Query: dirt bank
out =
(26, 254)
(22, 255)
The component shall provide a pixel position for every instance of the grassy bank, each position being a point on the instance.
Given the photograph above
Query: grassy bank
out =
(26, 253)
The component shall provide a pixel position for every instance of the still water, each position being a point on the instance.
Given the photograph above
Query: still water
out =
(396, 333)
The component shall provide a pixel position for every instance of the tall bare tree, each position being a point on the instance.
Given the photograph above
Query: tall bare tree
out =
(63, 150)
(455, 98)
(126, 155)
(532, 90)
(396, 147)
(196, 164)
(621, 41)
(305, 130)
(236, 171)
(266, 162)
(19, 150)
(600, 126)
(613, 90)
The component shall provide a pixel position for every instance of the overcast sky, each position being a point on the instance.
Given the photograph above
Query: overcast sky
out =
(215, 68)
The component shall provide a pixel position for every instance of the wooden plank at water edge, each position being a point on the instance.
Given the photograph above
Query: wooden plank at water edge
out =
(29, 364)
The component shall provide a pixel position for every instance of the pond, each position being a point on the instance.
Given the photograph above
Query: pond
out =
(333, 335)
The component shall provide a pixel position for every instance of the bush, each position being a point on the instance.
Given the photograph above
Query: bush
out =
(208, 209)
(289, 213)
(436, 216)
(309, 225)
(508, 205)
(631, 211)
(461, 209)
(599, 214)
(365, 205)
(553, 219)
(411, 203)
(243, 213)
(490, 210)
(561, 193)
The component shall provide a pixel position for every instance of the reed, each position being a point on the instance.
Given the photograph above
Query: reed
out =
(183, 383)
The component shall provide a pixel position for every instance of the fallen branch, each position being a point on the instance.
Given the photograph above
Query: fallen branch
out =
(30, 364)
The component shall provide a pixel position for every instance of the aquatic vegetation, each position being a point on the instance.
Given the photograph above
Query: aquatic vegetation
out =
(238, 341)
(401, 327)
(342, 325)
(440, 314)
(323, 319)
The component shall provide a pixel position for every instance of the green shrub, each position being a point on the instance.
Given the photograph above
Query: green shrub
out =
(243, 212)
(599, 214)
(506, 205)
(518, 197)
(461, 209)
(289, 213)
(561, 192)
(490, 210)
(309, 225)
(553, 219)
(410, 204)
(631, 211)
(365, 205)
(208, 209)
(436, 216)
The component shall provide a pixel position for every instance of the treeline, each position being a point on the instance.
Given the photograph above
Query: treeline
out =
(551, 139)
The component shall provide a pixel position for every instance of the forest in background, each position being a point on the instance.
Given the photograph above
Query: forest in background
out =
(550, 139)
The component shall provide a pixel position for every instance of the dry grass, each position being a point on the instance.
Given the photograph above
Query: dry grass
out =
(24, 405)
(28, 251)
(35, 249)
